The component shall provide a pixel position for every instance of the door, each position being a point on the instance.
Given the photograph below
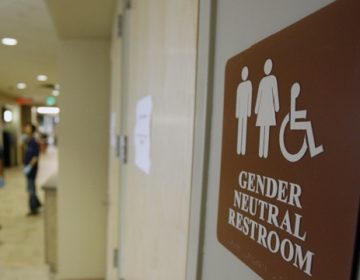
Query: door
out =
(159, 62)
(234, 26)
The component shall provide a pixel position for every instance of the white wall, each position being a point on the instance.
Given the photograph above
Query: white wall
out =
(239, 24)
(83, 158)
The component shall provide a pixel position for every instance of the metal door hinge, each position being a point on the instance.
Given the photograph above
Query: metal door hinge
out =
(127, 4)
(115, 257)
(120, 26)
(117, 147)
(121, 148)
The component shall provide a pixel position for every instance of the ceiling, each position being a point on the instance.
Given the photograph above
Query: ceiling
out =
(39, 25)
(82, 18)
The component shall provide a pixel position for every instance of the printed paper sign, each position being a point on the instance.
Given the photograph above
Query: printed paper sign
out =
(142, 133)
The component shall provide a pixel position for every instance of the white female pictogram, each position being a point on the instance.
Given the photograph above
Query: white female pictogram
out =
(243, 109)
(267, 103)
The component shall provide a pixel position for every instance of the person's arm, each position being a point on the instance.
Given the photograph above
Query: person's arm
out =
(237, 113)
(36, 149)
(258, 99)
(249, 99)
(34, 160)
(276, 95)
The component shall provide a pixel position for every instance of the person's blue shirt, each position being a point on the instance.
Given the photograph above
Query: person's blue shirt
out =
(32, 150)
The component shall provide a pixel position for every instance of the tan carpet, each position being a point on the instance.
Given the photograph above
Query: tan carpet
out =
(22, 237)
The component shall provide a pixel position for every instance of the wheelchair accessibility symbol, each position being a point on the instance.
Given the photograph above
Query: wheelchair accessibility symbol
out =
(292, 119)
(267, 105)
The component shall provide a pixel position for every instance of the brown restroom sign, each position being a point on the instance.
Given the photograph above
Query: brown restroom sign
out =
(290, 178)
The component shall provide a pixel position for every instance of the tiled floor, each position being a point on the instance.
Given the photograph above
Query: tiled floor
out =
(22, 237)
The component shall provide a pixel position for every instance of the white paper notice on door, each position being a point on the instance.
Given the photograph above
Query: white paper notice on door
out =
(142, 134)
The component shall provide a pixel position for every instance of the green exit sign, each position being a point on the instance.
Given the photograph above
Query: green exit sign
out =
(51, 101)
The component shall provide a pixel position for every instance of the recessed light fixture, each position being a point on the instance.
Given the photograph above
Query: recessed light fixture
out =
(42, 78)
(48, 110)
(9, 41)
(21, 86)
(56, 92)
(8, 116)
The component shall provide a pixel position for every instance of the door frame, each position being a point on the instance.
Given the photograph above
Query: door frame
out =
(125, 10)
(202, 130)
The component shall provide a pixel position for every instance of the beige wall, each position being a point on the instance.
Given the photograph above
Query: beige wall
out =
(234, 17)
(162, 61)
(83, 158)
(13, 127)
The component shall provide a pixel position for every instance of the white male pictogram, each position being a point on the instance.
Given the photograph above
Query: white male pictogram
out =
(243, 109)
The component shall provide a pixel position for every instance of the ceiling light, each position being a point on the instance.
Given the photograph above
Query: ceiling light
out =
(48, 110)
(56, 92)
(21, 86)
(42, 78)
(9, 41)
(8, 116)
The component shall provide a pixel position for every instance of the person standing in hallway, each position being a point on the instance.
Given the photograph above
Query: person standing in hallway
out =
(2, 181)
(31, 159)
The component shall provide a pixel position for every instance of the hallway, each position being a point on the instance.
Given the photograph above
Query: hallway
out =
(22, 237)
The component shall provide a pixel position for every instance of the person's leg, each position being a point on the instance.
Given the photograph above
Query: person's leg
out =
(310, 137)
(244, 133)
(33, 200)
(239, 138)
(266, 141)
(38, 203)
(261, 142)
(34, 174)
